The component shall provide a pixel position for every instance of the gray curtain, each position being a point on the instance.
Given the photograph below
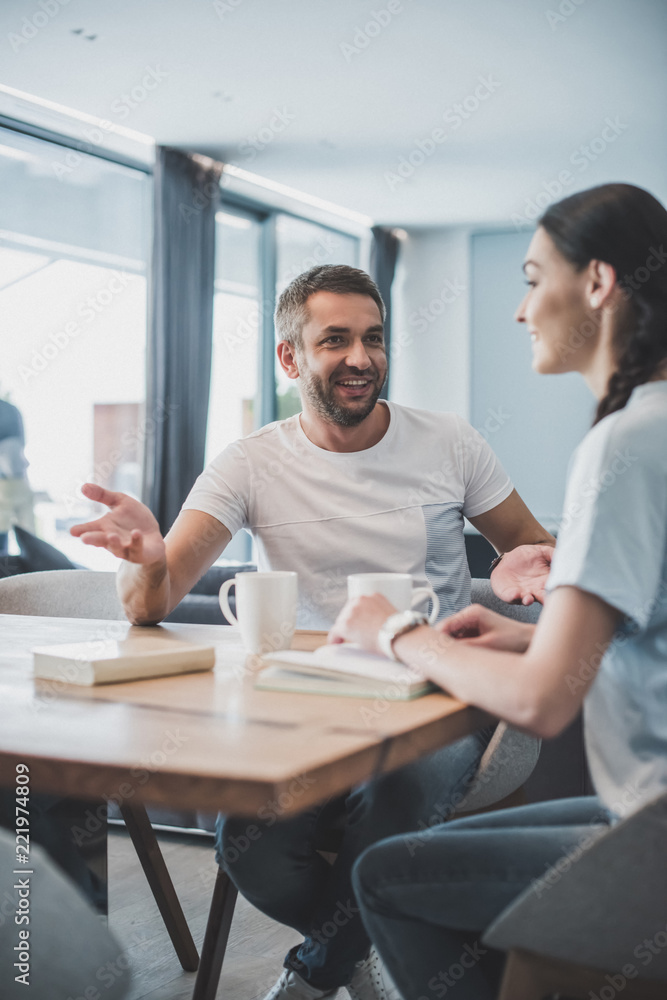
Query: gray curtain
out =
(384, 253)
(180, 328)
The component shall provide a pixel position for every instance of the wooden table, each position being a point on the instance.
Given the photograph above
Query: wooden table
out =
(207, 741)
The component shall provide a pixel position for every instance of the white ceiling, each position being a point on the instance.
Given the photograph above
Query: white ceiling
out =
(226, 68)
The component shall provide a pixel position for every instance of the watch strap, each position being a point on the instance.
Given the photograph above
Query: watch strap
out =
(396, 625)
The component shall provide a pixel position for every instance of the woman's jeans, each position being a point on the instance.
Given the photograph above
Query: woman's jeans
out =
(426, 899)
(275, 862)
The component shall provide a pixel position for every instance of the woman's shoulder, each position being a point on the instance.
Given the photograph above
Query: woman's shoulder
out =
(638, 431)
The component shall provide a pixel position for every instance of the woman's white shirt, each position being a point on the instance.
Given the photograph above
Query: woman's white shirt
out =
(613, 543)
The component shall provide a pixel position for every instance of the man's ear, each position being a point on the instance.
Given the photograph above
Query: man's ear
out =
(287, 358)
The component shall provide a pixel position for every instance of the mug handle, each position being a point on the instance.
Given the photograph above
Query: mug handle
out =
(224, 601)
(419, 594)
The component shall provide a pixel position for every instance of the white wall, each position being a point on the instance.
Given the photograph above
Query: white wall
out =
(430, 358)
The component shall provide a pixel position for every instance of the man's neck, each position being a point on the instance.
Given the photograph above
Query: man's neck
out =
(336, 437)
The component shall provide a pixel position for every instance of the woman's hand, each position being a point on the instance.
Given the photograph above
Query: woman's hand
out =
(360, 621)
(478, 626)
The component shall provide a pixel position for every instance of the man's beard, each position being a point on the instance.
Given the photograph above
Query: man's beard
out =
(320, 395)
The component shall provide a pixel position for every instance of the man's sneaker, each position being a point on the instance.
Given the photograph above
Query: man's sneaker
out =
(291, 986)
(371, 981)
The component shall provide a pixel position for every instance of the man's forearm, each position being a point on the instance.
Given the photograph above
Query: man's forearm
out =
(144, 591)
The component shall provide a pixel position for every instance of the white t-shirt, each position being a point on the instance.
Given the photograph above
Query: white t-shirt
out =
(396, 507)
(613, 543)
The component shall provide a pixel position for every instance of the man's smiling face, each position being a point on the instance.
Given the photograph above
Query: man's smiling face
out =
(342, 361)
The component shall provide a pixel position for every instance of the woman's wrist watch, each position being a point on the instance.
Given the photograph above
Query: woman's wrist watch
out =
(395, 625)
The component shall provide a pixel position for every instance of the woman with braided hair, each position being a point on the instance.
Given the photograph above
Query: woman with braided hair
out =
(596, 304)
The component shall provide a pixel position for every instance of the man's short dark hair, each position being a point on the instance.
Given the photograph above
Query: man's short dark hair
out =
(292, 312)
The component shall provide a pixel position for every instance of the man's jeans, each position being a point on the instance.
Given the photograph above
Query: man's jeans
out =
(275, 864)
(426, 900)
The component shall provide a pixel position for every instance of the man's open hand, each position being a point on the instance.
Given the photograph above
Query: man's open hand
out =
(521, 575)
(128, 530)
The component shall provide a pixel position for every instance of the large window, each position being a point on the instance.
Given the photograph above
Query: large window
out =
(73, 263)
(235, 372)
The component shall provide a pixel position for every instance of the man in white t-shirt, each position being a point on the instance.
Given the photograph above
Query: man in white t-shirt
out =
(350, 484)
(396, 505)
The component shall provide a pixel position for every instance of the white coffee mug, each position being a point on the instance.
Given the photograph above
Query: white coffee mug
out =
(396, 587)
(266, 609)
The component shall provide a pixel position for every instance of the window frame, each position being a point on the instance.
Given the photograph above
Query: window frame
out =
(70, 142)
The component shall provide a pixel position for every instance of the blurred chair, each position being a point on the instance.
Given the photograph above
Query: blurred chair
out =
(62, 593)
(87, 594)
(68, 945)
(596, 927)
(511, 756)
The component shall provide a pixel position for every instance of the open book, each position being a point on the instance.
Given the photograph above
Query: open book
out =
(342, 669)
(105, 661)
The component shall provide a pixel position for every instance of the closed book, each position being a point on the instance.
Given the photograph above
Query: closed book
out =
(107, 661)
(341, 669)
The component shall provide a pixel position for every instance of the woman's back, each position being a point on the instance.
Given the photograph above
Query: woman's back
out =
(613, 543)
